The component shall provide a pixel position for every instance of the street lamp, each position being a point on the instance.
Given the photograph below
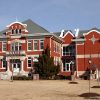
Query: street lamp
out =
(89, 74)
(72, 70)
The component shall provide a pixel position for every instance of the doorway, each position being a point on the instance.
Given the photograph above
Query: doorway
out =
(16, 65)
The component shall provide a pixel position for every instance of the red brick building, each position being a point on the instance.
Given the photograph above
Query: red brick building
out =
(22, 43)
(20, 46)
(80, 53)
(88, 52)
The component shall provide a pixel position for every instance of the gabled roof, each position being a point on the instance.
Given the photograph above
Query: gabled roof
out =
(82, 32)
(57, 33)
(32, 27)
(63, 33)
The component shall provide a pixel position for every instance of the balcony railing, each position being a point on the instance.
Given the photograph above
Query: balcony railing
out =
(68, 54)
(16, 53)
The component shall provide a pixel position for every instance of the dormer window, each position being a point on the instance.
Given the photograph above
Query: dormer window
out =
(12, 31)
(19, 30)
(16, 31)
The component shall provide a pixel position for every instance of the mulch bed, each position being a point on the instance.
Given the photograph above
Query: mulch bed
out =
(73, 82)
(96, 87)
(90, 95)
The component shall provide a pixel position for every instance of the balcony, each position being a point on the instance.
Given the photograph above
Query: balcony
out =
(68, 54)
(16, 53)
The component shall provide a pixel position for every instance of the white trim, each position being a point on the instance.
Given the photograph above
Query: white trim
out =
(88, 56)
(77, 32)
(16, 23)
(2, 46)
(15, 36)
(37, 44)
(65, 45)
(16, 40)
(2, 64)
(80, 44)
(40, 45)
(31, 44)
(68, 33)
(31, 62)
(91, 31)
(66, 67)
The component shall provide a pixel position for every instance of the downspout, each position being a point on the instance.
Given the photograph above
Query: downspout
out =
(76, 35)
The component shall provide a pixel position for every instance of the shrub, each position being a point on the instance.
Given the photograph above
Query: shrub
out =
(21, 78)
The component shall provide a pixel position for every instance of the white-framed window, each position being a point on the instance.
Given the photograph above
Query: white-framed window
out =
(35, 44)
(29, 44)
(4, 46)
(29, 61)
(16, 46)
(68, 50)
(56, 47)
(68, 66)
(41, 44)
(4, 62)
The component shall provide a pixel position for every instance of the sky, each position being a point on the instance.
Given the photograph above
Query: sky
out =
(53, 15)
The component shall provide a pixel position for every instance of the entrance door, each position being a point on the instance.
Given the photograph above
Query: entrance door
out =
(67, 67)
(16, 66)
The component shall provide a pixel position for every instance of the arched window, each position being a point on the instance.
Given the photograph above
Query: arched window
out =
(19, 30)
(16, 31)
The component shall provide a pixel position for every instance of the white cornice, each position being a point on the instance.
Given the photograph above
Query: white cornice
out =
(68, 33)
(16, 23)
(91, 31)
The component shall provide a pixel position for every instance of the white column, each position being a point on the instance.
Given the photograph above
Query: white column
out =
(8, 65)
(22, 67)
(97, 73)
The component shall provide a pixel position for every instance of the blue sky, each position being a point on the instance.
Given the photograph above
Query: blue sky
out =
(54, 15)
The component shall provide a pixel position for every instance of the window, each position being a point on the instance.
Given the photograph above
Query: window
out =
(12, 31)
(56, 47)
(16, 31)
(30, 45)
(29, 62)
(67, 67)
(41, 44)
(19, 30)
(4, 46)
(16, 46)
(4, 62)
(68, 50)
(20, 46)
(35, 44)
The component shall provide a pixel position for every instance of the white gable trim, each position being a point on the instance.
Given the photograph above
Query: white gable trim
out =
(68, 33)
(91, 31)
(16, 23)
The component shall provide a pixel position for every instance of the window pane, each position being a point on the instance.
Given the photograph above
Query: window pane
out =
(16, 31)
(41, 44)
(29, 45)
(16, 46)
(29, 62)
(19, 30)
(4, 46)
(12, 31)
(4, 62)
(35, 44)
